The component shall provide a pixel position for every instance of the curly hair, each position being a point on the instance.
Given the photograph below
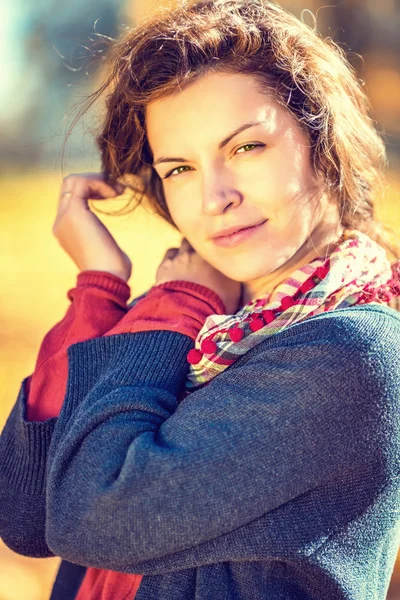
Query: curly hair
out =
(306, 73)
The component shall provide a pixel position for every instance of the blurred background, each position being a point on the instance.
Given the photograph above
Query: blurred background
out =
(48, 66)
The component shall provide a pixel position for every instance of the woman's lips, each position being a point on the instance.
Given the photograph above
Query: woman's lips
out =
(234, 239)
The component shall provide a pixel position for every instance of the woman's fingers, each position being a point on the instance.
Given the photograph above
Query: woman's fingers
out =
(171, 253)
(186, 247)
(94, 188)
(77, 190)
(81, 233)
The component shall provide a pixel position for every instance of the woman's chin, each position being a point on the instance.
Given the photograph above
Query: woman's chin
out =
(246, 273)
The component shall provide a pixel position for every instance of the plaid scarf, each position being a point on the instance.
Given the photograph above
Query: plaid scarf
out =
(356, 272)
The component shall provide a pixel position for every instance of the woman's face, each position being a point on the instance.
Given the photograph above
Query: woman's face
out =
(220, 180)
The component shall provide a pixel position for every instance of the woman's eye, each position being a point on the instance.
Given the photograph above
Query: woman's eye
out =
(242, 149)
(247, 145)
(170, 172)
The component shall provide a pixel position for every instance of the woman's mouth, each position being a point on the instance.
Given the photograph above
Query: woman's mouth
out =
(234, 239)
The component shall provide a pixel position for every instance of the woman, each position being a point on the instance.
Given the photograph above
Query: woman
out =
(234, 432)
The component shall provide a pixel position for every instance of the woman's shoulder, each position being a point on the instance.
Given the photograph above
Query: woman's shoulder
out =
(371, 310)
(363, 320)
(358, 334)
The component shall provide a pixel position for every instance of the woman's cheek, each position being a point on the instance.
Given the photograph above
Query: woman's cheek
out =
(184, 217)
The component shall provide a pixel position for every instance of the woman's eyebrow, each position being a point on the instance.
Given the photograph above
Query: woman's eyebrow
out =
(164, 159)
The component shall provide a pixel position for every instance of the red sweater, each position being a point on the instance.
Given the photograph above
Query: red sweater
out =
(99, 307)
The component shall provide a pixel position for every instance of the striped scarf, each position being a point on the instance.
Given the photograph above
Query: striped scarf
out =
(356, 272)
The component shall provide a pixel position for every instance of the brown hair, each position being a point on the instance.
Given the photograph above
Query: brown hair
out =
(307, 74)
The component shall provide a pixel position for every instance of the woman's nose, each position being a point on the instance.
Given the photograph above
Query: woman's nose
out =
(218, 196)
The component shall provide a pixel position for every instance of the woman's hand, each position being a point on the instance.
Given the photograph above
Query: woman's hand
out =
(184, 263)
(81, 233)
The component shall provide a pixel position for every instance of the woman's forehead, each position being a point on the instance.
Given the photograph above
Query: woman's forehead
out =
(215, 89)
(213, 105)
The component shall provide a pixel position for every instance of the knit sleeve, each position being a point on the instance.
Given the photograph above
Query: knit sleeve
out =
(23, 456)
(141, 483)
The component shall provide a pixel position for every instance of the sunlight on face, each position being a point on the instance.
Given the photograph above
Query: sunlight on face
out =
(263, 172)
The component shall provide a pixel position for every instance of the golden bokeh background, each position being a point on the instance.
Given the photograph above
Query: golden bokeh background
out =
(36, 274)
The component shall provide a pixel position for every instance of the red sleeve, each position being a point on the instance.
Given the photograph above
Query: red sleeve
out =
(98, 307)
(98, 302)
(175, 305)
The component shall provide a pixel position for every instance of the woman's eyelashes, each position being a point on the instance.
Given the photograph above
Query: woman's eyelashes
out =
(246, 145)
(176, 169)
(187, 167)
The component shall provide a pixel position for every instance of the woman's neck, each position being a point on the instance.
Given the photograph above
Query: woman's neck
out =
(308, 252)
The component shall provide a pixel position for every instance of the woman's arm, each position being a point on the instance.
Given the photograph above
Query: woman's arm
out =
(141, 483)
(23, 456)
(98, 302)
